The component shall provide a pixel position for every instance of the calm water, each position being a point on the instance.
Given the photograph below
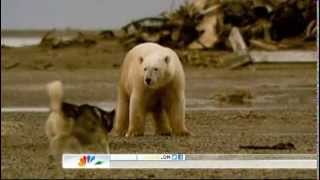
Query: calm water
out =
(12, 41)
(20, 41)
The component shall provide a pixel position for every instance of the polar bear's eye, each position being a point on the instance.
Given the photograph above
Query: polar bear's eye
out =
(155, 69)
(144, 69)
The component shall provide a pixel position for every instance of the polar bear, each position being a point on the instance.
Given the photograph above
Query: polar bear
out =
(152, 81)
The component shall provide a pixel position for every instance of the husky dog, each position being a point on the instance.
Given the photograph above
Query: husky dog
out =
(69, 127)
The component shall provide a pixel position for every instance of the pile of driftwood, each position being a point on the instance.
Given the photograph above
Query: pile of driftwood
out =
(206, 24)
(55, 40)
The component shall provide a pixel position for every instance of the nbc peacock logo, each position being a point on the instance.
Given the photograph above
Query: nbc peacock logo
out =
(87, 159)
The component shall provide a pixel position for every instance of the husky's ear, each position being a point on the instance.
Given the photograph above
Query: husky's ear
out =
(70, 110)
(97, 112)
(108, 118)
(112, 112)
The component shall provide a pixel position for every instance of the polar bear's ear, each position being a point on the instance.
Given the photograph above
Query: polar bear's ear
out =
(141, 60)
(167, 59)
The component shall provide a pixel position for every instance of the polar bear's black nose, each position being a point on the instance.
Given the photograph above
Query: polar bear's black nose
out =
(148, 80)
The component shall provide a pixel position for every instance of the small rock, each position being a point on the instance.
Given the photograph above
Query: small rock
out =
(11, 65)
(151, 176)
(238, 96)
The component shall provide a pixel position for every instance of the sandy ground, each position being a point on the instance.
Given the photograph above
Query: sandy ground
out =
(280, 107)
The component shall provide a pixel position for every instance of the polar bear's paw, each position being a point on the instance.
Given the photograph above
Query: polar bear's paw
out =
(183, 133)
(164, 132)
(119, 132)
(134, 133)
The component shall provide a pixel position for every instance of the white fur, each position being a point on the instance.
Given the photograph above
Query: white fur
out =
(164, 97)
(56, 123)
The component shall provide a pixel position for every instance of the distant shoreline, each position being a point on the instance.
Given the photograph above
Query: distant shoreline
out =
(40, 33)
(21, 41)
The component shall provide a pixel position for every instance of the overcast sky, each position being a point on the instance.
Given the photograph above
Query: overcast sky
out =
(78, 14)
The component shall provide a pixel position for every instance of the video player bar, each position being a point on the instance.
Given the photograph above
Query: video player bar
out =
(189, 161)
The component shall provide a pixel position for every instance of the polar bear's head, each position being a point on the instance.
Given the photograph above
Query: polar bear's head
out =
(156, 70)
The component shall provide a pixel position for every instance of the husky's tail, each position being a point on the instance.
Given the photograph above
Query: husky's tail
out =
(55, 92)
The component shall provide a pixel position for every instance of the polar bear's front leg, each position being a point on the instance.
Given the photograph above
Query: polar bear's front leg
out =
(122, 114)
(161, 121)
(176, 113)
(136, 115)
